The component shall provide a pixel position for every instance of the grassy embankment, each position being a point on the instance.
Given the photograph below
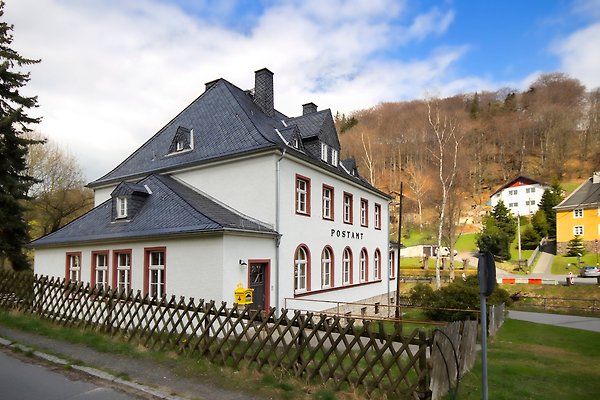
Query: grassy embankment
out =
(535, 361)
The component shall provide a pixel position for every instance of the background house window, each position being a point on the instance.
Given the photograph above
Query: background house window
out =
(513, 205)
(578, 230)
(121, 207)
(578, 213)
(327, 202)
(392, 265)
(155, 261)
(364, 267)
(302, 195)
(326, 276)
(347, 208)
(377, 216)
(100, 270)
(74, 267)
(347, 266)
(377, 264)
(364, 212)
(123, 271)
(301, 269)
(530, 190)
(512, 192)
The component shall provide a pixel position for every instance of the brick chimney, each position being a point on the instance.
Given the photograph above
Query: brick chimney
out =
(309, 108)
(596, 177)
(263, 91)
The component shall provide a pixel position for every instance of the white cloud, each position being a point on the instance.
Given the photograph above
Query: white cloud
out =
(113, 73)
(580, 55)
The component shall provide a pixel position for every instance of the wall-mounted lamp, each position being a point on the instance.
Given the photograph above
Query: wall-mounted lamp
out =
(243, 263)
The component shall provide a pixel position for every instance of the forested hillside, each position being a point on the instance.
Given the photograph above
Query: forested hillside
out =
(550, 132)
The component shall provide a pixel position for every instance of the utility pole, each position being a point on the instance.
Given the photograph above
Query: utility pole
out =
(398, 258)
(519, 236)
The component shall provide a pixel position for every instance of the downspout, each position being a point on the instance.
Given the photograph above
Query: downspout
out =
(277, 227)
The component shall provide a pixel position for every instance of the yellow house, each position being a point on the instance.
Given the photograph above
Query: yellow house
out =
(579, 214)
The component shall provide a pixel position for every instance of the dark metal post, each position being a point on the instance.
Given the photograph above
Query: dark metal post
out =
(484, 369)
(398, 258)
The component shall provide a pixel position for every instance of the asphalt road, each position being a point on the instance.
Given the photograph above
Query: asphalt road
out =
(20, 380)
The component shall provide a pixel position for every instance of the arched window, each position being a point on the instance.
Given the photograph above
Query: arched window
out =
(392, 266)
(347, 266)
(377, 264)
(326, 268)
(364, 265)
(301, 269)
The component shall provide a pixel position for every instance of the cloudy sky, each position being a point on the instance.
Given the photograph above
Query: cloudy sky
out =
(113, 72)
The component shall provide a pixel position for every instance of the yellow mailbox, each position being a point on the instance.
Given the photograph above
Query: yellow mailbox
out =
(243, 296)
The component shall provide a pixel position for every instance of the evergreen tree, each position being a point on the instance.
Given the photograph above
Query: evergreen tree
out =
(575, 247)
(551, 197)
(530, 238)
(505, 220)
(494, 239)
(14, 123)
(539, 223)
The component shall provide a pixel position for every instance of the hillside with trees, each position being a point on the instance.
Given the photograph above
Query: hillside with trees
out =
(550, 132)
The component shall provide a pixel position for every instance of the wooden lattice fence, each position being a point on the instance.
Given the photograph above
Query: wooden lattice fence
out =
(316, 348)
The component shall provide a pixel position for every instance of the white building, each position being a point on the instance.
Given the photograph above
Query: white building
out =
(232, 192)
(521, 195)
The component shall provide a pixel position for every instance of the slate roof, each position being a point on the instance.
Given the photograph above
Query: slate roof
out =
(225, 122)
(587, 195)
(171, 208)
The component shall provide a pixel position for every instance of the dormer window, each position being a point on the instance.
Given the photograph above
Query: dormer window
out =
(324, 151)
(182, 141)
(121, 207)
(334, 157)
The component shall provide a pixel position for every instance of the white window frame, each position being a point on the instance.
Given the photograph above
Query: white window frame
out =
(156, 273)
(347, 267)
(377, 265)
(121, 207)
(327, 202)
(364, 266)
(377, 216)
(348, 199)
(392, 265)
(576, 229)
(74, 267)
(334, 157)
(123, 271)
(302, 195)
(578, 213)
(101, 271)
(300, 270)
(324, 152)
(326, 268)
(364, 212)
(530, 190)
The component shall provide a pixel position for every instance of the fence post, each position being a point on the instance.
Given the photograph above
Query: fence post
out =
(423, 385)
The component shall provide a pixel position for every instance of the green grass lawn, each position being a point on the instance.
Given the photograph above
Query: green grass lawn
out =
(535, 361)
(466, 242)
(562, 264)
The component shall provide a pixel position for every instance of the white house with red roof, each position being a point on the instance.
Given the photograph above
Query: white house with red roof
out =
(521, 195)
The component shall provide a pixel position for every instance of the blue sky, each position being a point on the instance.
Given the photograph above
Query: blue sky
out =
(113, 72)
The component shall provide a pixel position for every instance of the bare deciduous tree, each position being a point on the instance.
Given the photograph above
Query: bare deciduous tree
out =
(59, 196)
(445, 154)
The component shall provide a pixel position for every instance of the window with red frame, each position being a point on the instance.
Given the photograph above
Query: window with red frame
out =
(347, 208)
(377, 216)
(364, 212)
(302, 195)
(327, 202)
